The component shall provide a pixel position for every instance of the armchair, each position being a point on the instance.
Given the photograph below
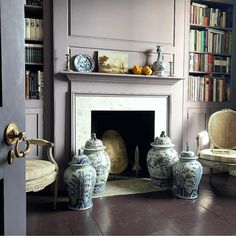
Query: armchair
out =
(216, 148)
(41, 173)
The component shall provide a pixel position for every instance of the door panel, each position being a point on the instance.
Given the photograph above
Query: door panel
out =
(34, 128)
(12, 177)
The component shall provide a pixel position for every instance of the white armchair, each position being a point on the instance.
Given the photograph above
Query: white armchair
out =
(214, 146)
(41, 173)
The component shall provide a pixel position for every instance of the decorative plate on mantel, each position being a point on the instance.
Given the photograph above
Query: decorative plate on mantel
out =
(84, 63)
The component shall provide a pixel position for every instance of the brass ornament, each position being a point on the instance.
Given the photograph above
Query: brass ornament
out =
(13, 136)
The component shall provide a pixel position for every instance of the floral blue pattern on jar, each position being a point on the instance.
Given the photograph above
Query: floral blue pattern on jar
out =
(100, 160)
(187, 174)
(80, 179)
(160, 159)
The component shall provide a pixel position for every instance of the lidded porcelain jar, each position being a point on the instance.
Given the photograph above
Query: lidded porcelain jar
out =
(160, 159)
(100, 160)
(159, 66)
(80, 179)
(187, 174)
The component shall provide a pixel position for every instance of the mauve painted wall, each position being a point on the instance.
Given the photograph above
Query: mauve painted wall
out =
(77, 24)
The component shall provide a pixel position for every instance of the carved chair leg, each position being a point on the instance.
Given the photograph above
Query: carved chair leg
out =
(55, 191)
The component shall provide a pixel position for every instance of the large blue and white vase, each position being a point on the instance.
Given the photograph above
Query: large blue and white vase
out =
(160, 159)
(80, 180)
(187, 174)
(100, 160)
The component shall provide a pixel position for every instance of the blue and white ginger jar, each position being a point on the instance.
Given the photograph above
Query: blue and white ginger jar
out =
(100, 160)
(187, 175)
(80, 179)
(160, 159)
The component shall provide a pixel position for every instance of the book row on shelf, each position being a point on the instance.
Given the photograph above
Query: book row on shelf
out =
(38, 3)
(33, 29)
(34, 84)
(201, 14)
(209, 63)
(210, 40)
(206, 89)
(33, 53)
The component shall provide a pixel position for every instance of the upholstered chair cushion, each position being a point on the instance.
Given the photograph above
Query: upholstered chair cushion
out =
(36, 169)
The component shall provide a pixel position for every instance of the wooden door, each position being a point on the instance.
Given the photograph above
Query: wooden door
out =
(12, 109)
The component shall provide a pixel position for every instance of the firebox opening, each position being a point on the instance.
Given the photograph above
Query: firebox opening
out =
(136, 129)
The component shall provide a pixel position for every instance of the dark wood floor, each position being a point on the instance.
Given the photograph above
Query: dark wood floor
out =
(159, 213)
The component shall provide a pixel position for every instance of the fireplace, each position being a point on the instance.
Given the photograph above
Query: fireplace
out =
(138, 119)
(99, 94)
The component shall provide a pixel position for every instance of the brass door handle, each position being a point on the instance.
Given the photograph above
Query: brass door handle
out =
(14, 136)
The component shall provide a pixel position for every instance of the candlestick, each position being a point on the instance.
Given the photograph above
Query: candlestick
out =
(67, 50)
(171, 68)
(68, 59)
(171, 65)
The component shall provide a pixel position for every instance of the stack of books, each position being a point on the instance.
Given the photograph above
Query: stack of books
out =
(34, 85)
(207, 89)
(201, 14)
(33, 29)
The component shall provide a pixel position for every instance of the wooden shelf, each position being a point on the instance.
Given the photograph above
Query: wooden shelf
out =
(33, 41)
(209, 27)
(208, 104)
(119, 78)
(209, 73)
(33, 7)
(33, 64)
(212, 53)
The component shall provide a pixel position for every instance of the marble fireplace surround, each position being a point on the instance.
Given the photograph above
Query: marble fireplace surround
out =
(85, 104)
(109, 92)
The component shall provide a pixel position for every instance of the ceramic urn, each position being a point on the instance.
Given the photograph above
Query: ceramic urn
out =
(80, 179)
(159, 66)
(160, 160)
(187, 174)
(100, 160)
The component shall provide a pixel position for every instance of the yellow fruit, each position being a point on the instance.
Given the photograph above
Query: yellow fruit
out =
(147, 70)
(137, 69)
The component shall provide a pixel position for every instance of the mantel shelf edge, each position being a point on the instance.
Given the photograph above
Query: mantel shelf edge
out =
(74, 76)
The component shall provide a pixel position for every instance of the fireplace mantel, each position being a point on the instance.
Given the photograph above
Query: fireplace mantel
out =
(74, 76)
(92, 91)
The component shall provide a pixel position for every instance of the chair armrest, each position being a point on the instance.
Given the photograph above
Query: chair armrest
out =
(48, 145)
(203, 141)
(41, 142)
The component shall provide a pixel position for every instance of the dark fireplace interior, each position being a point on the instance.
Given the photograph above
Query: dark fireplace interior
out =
(136, 129)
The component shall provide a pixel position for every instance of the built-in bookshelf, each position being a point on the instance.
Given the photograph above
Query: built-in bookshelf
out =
(210, 47)
(33, 49)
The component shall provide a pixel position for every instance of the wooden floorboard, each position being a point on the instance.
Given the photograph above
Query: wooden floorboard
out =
(157, 213)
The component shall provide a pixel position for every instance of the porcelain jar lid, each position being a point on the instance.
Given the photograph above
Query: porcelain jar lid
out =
(163, 141)
(80, 160)
(188, 155)
(94, 144)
